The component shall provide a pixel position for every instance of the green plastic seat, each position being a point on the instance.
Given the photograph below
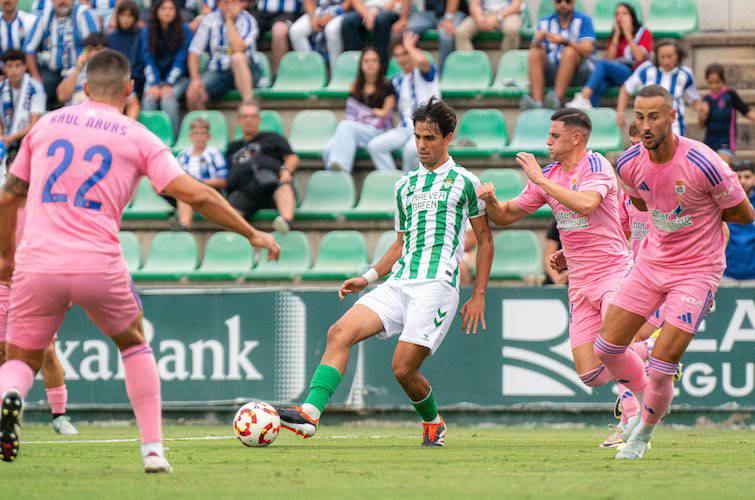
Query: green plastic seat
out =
(606, 135)
(172, 255)
(507, 181)
(465, 74)
(266, 77)
(294, 259)
(512, 77)
(672, 18)
(147, 204)
(485, 130)
(227, 256)
(329, 194)
(218, 130)
(602, 18)
(531, 133)
(299, 74)
(394, 69)
(518, 255)
(383, 244)
(158, 122)
(377, 200)
(342, 254)
(310, 131)
(343, 75)
(25, 5)
(131, 252)
(271, 121)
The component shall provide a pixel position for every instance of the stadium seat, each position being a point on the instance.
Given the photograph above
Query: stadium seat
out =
(394, 69)
(310, 131)
(342, 254)
(602, 18)
(507, 181)
(343, 76)
(299, 74)
(227, 256)
(131, 251)
(517, 255)
(158, 122)
(172, 255)
(484, 130)
(531, 133)
(383, 244)
(377, 200)
(465, 74)
(329, 194)
(266, 77)
(294, 259)
(25, 5)
(147, 204)
(606, 135)
(512, 77)
(271, 121)
(218, 130)
(672, 18)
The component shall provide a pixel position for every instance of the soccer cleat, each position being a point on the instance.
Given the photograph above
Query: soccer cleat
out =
(63, 426)
(679, 372)
(155, 464)
(434, 435)
(298, 422)
(617, 408)
(614, 439)
(634, 449)
(10, 425)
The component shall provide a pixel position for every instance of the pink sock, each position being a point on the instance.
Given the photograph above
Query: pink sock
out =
(16, 374)
(596, 377)
(641, 348)
(57, 397)
(629, 404)
(143, 389)
(659, 392)
(624, 364)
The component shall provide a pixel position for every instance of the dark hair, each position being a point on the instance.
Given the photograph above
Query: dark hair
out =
(13, 55)
(680, 52)
(657, 91)
(160, 42)
(743, 166)
(106, 70)
(358, 87)
(97, 39)
(636, 24)
(633, 130)
(572, 117)
(438, 112)
(127, 6)
(715, 69)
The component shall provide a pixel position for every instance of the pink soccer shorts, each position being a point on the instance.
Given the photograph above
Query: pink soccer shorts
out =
(4, 299)
(587, 306)
(39, 302)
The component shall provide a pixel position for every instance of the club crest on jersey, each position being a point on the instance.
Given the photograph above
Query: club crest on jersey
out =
(574, 184)
(448, 183)
(680, 188)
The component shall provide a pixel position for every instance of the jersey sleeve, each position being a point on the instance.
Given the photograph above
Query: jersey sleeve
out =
(218, 162)
(249, 31)
(38, 101)
(474, 205)
(727, 192)
(531, 198)
(586, 30)
(634, 82)
(201, 38)
(738, 103)
(22, 164)
(646, 42)
(690, 91)
(399, 214)
(626, 226)
(597, 177)
(158, 163)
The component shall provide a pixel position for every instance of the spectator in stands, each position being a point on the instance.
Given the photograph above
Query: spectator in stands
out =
(276, 17)
(127, 39)
(166, 39)
(443, 16)
(740, 252)
(71, 89)
(104, 10)
(718, 113)
(261, 170)
(415, 85)
(56, 40)
(322, 21)
(23, 101)
(634, 133)
(667, 70)
(378, 17)
(230, 33)
(629, 46)
(203, 162)
(553, 245)
(369, 113)
(14, 26)
(491, 15)
(560, 55)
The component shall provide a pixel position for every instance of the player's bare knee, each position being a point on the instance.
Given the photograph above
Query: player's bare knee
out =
(339, 335)
(131, 337)
(403, 372)
(33, 358)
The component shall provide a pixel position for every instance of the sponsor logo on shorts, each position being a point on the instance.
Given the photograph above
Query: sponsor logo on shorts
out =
(685, 318)
(439, 317)
(691, 300)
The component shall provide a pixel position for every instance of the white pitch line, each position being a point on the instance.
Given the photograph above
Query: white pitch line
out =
(191, 438)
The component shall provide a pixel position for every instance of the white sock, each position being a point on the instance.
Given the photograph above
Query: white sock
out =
(643, 431)
(156, 447)
(311, 411)
(436, 420)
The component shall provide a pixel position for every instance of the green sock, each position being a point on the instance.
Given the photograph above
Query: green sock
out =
(324, 383)
(427, 408)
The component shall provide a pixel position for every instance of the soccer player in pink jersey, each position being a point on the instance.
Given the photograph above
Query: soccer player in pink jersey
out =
(77, 169)
(582, 189)
(688, 190)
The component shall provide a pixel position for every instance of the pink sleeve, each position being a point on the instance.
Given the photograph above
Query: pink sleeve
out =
(727, 193)
(160, 166)
(625, 178)
(597, 177)
(22, 164)
(623, 213)
(531, 198)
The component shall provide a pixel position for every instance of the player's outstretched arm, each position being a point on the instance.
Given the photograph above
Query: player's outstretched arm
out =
(215, 208)
(12, 197)
(740, 214)
(639, 204)
(380, 269)
(502, 213)
(473, 311)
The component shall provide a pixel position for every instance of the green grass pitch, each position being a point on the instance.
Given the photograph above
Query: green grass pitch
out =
(384, 462)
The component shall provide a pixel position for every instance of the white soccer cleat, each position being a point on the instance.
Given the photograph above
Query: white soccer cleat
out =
(155, 464)
(579, 102)
(634, 449)
(63, 426)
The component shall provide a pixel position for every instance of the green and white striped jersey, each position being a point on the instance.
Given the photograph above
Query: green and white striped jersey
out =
(432, 210)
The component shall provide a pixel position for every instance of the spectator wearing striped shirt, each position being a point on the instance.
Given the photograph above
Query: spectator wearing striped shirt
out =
(56, 41)
(15, 25)
(276, 16)
(322, 22)
(167, 40)
(230, 34)
(203, 162)
(667, 71)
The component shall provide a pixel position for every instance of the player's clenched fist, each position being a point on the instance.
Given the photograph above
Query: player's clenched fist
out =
(266, 240)
(352, 285)
(486, 193)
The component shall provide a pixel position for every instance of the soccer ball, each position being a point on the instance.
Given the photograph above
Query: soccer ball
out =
(256, 424)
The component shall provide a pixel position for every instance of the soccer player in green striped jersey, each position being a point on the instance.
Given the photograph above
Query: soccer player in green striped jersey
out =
(434, 204)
